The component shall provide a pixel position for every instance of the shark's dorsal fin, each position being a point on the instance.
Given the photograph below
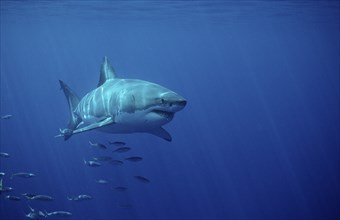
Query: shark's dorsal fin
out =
(106, 72)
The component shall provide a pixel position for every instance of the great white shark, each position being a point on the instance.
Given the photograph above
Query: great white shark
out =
(121, 106)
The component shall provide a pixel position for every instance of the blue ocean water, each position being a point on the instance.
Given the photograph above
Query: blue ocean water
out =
(258, 139)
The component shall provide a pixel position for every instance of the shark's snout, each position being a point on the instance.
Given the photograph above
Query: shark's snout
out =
(178, 105)
(169, 105)
(182, 103)
(175, 104)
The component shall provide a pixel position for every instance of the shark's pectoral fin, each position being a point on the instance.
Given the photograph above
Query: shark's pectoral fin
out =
(162, 133)
(102, 123)
(67, 133)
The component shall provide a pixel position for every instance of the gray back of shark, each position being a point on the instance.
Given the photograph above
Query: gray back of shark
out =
(121, 106)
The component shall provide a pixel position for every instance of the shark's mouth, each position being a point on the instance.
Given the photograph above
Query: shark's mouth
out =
(164, 114)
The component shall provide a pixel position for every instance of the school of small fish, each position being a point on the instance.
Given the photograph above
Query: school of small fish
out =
(115, 160)
(118, 155)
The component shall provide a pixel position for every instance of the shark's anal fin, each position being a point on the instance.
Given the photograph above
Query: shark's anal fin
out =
(95, 125)
(162, 133)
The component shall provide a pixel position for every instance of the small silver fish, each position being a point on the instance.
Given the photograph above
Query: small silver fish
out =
(23, 175)
(134, 159)
(98, 145)
(14, 198)
(59, 213)
(102, 181)
(28, 195)
(6, 189)
(35, 214)
(79, 198)
(41, 198)
(72, 198)
(3, 154)
(6, 116)
(92, 163)
(117, 143)
(84, 197)
(121, 150)
(142, 179)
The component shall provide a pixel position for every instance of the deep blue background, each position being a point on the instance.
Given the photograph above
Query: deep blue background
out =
(259, 138)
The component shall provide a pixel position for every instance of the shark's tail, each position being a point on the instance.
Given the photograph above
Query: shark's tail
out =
(73, 101)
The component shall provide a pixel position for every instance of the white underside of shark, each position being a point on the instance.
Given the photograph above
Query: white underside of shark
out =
(122, 106)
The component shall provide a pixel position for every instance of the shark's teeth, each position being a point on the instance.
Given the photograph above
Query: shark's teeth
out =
(164, 114)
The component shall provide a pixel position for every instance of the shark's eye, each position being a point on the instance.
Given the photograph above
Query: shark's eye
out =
(162, 101)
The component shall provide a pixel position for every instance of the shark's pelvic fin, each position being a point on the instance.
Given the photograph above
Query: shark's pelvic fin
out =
(73, 101)
(162, 133)
(106, 72)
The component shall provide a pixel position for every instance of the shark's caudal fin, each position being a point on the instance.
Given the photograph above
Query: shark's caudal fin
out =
(106, 72)
(73, 101)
